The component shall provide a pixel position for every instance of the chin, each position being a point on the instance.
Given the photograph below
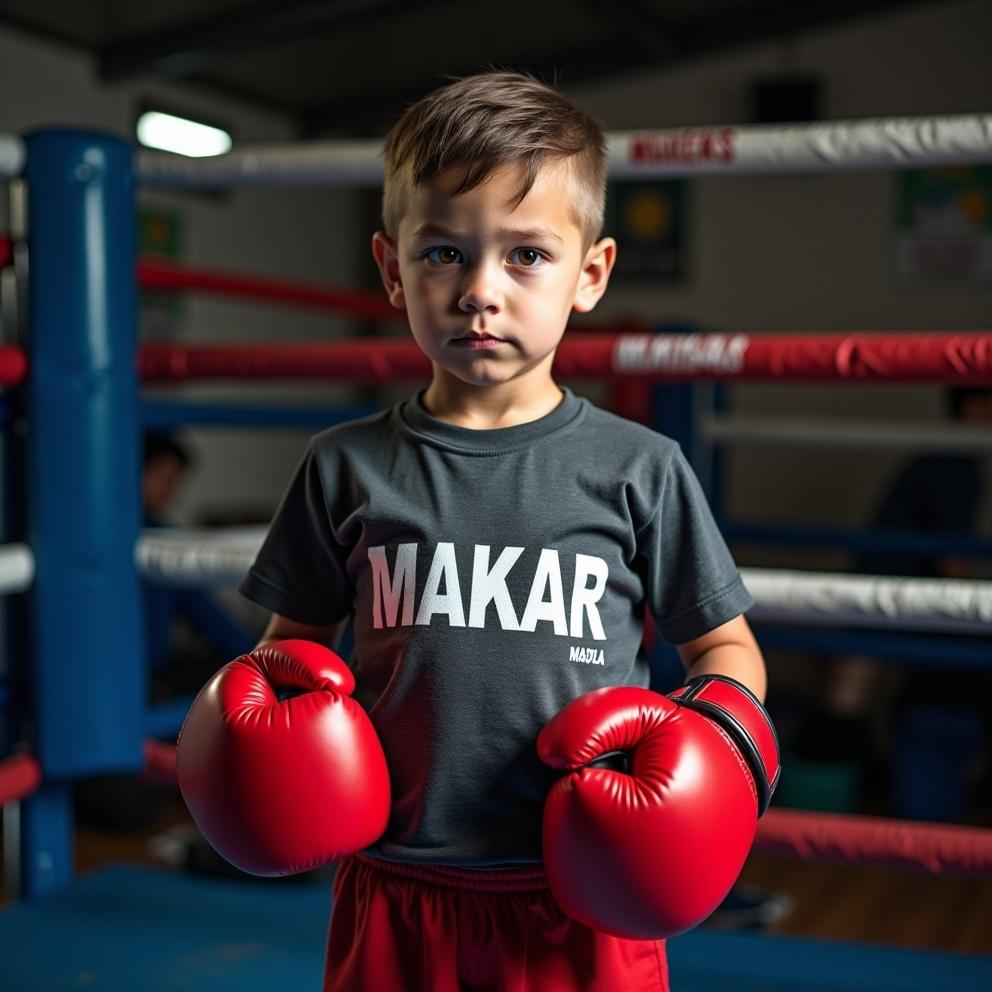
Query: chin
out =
(483, 372)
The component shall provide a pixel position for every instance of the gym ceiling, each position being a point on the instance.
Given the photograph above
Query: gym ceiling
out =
(351, 66)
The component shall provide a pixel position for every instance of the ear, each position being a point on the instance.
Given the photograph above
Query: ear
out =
(595, 274)
(385, 255)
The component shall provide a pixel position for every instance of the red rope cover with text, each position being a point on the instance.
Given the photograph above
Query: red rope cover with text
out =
(864, 357)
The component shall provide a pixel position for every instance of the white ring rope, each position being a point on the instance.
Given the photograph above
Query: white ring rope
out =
(960, 606)
(884, 142)
(194, 558)
(222, 557)
(12, 155)
(16, 568)
(887, 142)
(873, 143)
(179, 557)
(845, 433)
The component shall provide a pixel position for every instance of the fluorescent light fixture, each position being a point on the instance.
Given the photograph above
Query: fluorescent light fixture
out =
(179, 134)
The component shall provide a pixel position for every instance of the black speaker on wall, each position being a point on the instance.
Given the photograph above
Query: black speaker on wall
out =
(782, 99)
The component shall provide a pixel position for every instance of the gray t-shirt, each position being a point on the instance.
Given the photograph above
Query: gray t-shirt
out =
(491, 576)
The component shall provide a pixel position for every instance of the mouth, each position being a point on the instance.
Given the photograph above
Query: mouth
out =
(475, 339)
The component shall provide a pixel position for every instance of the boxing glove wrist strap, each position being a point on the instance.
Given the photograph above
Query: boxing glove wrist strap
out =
(734, 708)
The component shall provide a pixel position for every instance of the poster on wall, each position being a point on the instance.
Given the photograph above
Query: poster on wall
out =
(943, 226)
(648, 220)
(160, 236)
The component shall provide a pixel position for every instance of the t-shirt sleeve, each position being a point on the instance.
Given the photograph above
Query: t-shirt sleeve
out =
(692, 584)
(300, 570)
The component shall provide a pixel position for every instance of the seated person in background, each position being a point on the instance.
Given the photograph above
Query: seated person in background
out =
(935, 495)
(215, 637)
(124, 802)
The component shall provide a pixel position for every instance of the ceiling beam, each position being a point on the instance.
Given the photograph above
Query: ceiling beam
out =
(620, 53)
(189, 47)
(775, 18)
(637, 23)
(372, 115)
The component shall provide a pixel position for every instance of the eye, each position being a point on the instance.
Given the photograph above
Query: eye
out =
(527, 258)
(443, 255)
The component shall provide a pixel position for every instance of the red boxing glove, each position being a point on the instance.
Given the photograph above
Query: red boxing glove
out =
(650, 852)
(283, 785)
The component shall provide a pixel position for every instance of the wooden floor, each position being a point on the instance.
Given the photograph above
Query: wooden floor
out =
(880, 905)
(860, 904)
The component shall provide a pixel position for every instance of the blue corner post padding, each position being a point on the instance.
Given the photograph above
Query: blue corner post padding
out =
(87, 665)
(126, 928)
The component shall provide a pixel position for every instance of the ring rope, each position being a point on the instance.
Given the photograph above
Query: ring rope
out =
(841, 838)
(821, 147)
(159, 762)
(894, 142)
(20, 776)
(13, 154)
(203, 557)
(806, 835)
(160, 276)
(948, 358)
(830, 146)
(13, 365)
(863, 357)
(17, 568)
(961, 606)
(190, 557)
(845, 433)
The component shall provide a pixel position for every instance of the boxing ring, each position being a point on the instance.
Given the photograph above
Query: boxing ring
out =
(80, 555)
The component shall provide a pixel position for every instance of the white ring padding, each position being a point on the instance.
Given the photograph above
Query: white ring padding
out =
(12, 156)
(16, 568)
(873, 143)
(862, 144)
(314, 163)
(223, 557)
(194, 558)
(846, 433)
(961, 606)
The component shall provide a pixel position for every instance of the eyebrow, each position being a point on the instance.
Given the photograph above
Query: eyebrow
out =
(512, 234)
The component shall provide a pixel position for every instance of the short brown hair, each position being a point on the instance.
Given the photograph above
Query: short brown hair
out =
(489, 120)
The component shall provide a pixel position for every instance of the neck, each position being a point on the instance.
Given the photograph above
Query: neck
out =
(504, 404)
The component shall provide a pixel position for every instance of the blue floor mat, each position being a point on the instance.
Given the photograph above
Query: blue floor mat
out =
(135, 929)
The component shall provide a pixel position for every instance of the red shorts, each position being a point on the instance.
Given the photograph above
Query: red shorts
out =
(427, 928)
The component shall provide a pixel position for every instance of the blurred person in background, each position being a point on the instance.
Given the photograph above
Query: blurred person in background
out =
(932, 751)
(188, 637)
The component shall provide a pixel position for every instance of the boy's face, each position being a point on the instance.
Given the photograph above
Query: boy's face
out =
(161, 479)
(488, 286)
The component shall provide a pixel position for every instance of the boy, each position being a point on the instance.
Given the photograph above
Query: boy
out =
(495, 540)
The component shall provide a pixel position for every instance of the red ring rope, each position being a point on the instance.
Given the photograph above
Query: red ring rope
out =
(810, 836)
(160, 762)
(957, 358)
(937, 848)
(20, 775)
(864, 357)
(157, 275)
(13, 365)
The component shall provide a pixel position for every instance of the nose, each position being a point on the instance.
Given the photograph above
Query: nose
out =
(480, 290)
